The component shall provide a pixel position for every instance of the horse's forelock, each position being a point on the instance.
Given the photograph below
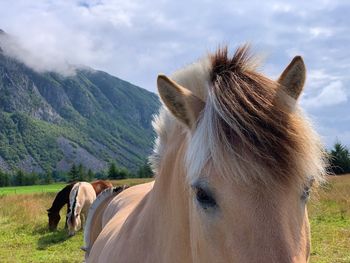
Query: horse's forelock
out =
(242, 118)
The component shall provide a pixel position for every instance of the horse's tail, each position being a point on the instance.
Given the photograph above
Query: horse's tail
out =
(93, 226)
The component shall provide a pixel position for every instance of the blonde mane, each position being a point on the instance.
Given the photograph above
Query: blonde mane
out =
(73, 202)
(247, 126)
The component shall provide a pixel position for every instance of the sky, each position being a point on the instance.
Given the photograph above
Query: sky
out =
(137, 39)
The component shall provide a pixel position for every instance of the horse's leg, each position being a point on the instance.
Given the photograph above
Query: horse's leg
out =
(79, 217)
(83, 218)
(68, 209)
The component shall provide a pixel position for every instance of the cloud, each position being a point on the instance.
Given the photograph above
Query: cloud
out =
(321, 31)
(40, 62)
(331, 95)
(135, 40)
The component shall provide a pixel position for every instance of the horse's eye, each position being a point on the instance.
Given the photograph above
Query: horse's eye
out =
(205, 199)
(306, 194)
(307, 189)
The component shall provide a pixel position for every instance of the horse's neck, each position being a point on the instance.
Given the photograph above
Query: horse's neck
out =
(150, 222)
(85, 197)
(162, 217)
(61, 199)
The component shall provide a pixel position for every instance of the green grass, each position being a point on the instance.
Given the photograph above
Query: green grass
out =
(50, 188)
(24, 236)
(330, 222)
(54, 188)
(131, 181)
(23, 226)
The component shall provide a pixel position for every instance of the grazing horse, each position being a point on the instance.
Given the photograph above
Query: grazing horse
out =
(234, 162)
(62, 198)
(81, 197)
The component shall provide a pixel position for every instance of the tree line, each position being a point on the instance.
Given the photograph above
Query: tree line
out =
(76, 173)
(339, 163)
(339, 159)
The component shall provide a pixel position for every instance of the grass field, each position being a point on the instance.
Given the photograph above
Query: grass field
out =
(54, 188)
(24, 236)
(49, 188)
(330, 222)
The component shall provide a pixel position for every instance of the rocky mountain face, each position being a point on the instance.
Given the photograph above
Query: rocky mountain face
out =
(49, 121)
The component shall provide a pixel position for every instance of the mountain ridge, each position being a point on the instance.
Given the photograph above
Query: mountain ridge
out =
(49, 121)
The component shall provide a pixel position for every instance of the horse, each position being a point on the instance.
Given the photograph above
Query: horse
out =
(62, 198)
(234, 161)
(100, 185)
(81, 197)
(98, 207)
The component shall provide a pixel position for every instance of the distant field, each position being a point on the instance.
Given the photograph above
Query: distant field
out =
(54, 188)
(24, 236)
(31, 189)
(131, 181)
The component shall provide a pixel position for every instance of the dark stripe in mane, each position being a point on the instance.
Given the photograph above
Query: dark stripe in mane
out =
(248, 116)
(73, 206)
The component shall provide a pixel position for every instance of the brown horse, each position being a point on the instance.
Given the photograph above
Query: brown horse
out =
(100, 185)
(234, 162)
(62, 199)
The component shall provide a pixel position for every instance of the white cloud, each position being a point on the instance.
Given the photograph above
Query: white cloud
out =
(321, 31)
(316, 31)
(331, 95)
(282, 7)
(318, 78)
(135, 40)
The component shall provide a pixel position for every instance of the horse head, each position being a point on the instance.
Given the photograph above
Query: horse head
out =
(54, 218)
(247, 157)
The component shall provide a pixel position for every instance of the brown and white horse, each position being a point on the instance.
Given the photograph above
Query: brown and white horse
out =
(62, 199)
(81, 197)
(234, 162)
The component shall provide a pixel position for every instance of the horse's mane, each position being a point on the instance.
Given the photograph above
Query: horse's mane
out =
(73, 202)
(245, 128)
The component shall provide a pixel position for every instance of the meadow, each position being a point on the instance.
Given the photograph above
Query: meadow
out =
(329, 212)
(24, 236)
(54, 188)
(31, 189)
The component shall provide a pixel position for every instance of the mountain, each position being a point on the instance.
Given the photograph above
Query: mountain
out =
(49, 121)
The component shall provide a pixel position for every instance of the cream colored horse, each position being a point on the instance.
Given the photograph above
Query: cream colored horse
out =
(234, 161)
(81, 197)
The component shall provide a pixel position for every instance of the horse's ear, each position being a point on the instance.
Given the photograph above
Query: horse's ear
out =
(293, 77)
(185, 106)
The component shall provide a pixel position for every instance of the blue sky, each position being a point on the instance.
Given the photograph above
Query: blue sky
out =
(136, 40)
